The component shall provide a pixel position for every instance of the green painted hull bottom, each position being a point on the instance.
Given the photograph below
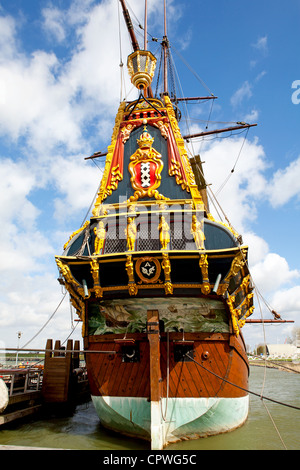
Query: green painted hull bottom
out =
(180, 418)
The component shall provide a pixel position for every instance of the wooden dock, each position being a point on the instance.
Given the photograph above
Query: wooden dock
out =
(30, 390)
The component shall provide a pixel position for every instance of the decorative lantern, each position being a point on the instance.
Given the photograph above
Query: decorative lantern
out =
(141, 67)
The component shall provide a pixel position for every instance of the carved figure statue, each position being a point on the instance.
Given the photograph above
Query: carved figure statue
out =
(166, 265)
(130, 233)
(129, 268)
(164, 235)
(100, 233)
(197, 232)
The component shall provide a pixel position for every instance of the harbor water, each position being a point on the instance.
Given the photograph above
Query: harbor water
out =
(270, 426)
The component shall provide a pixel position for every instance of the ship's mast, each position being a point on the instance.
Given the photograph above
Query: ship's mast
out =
(165, 48)
(129, 25)
(145, 26)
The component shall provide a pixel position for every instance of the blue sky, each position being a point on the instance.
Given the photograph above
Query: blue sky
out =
(60, 88)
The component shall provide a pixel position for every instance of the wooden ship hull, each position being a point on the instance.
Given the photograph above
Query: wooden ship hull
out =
(162, 398)
(161, 288)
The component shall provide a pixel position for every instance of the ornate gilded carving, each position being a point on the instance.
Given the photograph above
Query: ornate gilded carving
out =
(74, 289)
(166, 265)
(76, 233)
(104, 189)
(145, 168)
(168, 288)
(116, 176)
(246, 282)
(126, 131)
(148, 269)
(99, 211)
(237, 264)
(203, 263)
(189, 184)
(164, 233)
(242, 321)
(130, 233)
(197, 232)
(95, 273)
(100, 233)
(163, 127)
(132, 287)
(129, 268)
(234, 314)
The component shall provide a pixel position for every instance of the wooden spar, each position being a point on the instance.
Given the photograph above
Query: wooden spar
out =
(57, 351)
(129, 25)
(96, 155)
(269, 321)
(218, 131)
(196, 98)
(134, 42)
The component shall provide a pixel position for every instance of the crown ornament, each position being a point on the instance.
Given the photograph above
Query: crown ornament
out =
(145, 140)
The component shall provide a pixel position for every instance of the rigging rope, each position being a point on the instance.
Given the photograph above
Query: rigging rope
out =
(193, 72)
(241, 388)
(64, 295)
(122, 79)
(233, 168)
(50, 318)
(273, 422)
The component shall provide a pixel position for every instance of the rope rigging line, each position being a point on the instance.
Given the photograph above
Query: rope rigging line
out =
(213, 198)
(193, 72)
(233, 168)
(273, 422)
(90, 206)
(122, 77)
(64, 295)
(241, 388)
(49, 319)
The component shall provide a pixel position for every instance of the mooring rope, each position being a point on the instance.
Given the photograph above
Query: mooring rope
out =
(241, 388)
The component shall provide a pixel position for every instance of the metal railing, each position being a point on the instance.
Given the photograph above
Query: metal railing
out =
(22, 380)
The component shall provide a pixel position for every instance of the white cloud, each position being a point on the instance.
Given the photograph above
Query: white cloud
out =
(288, 301)
(272, 273)
(7, 37)
(262, 44)
(252, 117)
(238, 190)
(275, 280)
(54, 22)
(287, 178)
(244, 92)
(77, 183)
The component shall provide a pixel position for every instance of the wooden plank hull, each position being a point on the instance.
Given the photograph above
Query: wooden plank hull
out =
(195, 398)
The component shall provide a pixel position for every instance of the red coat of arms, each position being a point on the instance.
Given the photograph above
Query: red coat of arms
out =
(145, 168)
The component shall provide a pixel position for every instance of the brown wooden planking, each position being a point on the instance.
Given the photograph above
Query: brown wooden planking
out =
(115, 378)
